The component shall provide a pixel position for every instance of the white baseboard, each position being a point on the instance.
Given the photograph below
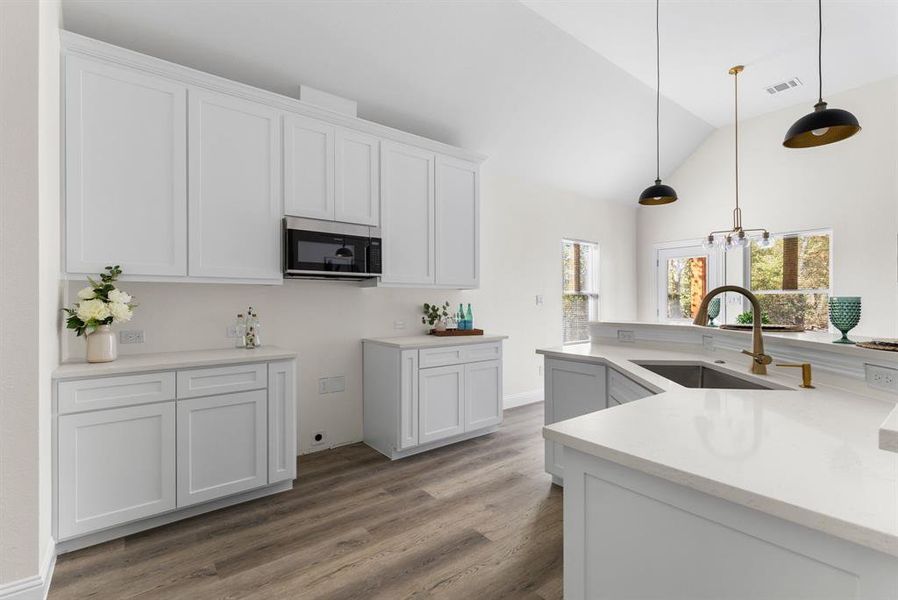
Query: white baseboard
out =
(35, 587)
(522, 398)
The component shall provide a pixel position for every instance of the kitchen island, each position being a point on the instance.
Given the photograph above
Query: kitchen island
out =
(724, 493)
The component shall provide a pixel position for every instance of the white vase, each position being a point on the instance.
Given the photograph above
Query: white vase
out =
(101, 345)
(439, 325)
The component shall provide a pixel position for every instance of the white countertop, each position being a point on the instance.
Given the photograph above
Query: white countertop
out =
(163, 361)
(807, 456)
(434, 341)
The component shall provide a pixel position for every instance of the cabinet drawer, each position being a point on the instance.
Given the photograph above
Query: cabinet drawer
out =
(622, 389)
(114, 392)
(222, 380)
(453, 355)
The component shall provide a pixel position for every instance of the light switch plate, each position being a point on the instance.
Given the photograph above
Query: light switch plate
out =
(708, 342)
(626, 335)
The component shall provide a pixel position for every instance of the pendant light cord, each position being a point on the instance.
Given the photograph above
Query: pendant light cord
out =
(820, 51)
(737, 214)
(657, 90)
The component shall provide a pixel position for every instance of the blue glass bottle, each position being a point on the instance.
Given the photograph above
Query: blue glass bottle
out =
(469, 318)
(462, 323)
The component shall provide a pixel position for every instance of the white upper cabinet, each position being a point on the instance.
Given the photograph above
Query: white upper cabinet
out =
(357, 183)
(457, 223)
(308, 168)
(407, 194)
(125, 170)
(234, 193)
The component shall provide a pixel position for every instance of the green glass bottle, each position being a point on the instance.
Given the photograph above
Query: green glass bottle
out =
(469, 318)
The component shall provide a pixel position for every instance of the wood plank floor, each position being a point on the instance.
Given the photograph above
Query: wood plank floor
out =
(479, 519)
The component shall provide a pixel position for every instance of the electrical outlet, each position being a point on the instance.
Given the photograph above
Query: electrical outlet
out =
(708, 342)
(539, 299)
(881, 378)
(130, 336)
(319, 438)
(330, 385)
(626, 335)
(398, 324)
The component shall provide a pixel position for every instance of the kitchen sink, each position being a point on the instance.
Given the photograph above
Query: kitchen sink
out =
(703, 375)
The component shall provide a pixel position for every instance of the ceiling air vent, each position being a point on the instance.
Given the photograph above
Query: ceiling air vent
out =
(778, 88)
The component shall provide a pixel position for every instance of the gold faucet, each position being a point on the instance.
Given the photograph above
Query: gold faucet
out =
(760, 360)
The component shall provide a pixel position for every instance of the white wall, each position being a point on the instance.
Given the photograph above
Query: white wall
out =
(851, 187)
(521, 230)
(51, 288)
(19, 279)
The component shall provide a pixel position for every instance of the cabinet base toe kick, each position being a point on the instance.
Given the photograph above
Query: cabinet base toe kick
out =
(394, 454)
(113, 533)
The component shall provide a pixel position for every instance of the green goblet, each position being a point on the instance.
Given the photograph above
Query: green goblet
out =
(713, 311)
(844, 314)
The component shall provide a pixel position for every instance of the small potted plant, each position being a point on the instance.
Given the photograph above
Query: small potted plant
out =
(99, 306)
(435, 315)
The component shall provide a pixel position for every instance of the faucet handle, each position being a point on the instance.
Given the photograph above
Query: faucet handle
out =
(760, 358)
(805, 373)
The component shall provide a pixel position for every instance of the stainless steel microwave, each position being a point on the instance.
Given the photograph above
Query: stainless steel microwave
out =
(330, 250)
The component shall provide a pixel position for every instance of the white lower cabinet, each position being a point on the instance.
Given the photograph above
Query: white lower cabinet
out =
(131, 451)
(115, 466)
(410, 407)
(441, 402)
(222, 445)
(572, 389)
(483, 400)
(575, 388)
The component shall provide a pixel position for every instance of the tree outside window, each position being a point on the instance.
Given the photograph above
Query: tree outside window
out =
(792, 279)
(580, 289)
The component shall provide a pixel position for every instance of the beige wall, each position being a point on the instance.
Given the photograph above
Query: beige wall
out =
(521, 232)
(51, 288)
(850, 187)
(19, 280)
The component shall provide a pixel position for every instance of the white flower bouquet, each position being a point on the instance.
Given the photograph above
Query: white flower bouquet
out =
(101, 303)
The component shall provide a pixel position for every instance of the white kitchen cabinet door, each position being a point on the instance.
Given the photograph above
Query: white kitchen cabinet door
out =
(457, 223)
(408, 399)
(222, 445)
(441, 402)
(572, 389)
(308, 168)
(235, 203)
(281, 421)
(115, 466)
(483, 394)
(407, 214)
(125, 170)
(357, 180)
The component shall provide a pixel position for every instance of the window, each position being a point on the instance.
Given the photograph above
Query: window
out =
(792, 278)
(685, 274)
(580, 289)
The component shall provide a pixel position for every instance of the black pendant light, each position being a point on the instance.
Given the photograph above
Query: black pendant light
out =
(659, 193)
(824, 125)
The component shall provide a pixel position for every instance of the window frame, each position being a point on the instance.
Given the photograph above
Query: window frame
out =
(746, 268)
(593, 278)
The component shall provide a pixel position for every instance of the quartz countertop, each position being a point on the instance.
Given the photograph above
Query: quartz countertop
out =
(434, 341)
(808, 456)
(163, 361)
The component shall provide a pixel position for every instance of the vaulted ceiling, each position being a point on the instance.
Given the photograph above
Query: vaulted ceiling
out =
(548, 101)
(700, 40)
